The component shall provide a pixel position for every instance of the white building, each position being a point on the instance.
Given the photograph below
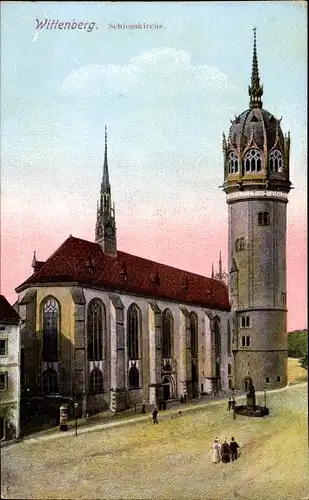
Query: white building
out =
(9, 370)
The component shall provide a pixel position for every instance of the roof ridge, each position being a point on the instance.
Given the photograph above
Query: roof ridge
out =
(121, 252)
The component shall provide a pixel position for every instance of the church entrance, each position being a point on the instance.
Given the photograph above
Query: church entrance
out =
(194, 380)
(167, 388)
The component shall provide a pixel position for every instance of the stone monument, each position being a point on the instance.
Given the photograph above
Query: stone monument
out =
(251, 395)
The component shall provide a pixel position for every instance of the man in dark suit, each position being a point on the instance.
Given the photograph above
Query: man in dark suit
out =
(233, 447)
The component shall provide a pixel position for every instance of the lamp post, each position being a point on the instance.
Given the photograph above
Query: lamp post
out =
(75, 409)
(265, 396)
(233, 403)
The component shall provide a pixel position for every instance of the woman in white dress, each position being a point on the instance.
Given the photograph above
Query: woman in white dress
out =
(216, 452)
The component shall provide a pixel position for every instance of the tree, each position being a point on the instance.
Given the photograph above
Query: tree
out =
(304, 361)
(298, 344)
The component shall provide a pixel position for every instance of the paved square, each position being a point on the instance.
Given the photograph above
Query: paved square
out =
(171, 460)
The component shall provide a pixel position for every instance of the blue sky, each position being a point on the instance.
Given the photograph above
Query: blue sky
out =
(166, 97)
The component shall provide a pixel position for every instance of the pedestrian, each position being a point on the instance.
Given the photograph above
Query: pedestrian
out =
(181, 399)
(229, 405)
(143, 407)
(225, 452)
(216, 451)
(155, 415)
(233, 448)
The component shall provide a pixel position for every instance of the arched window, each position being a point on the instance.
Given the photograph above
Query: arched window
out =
(133, 377)
(95, 318)
(194, 337)
(229, 369)
(229, 339)
(167, 334)
(133, 328)
(233, 163)
(49, 381)
(50, 330)
(217, 340)
(275, 161)
(253, 161)
(96, 381)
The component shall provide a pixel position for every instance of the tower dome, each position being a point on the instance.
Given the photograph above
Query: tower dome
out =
(256, 151)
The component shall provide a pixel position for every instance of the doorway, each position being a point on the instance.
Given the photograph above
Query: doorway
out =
(167, 389)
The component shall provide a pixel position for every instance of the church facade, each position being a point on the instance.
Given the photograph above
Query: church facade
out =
(111, 329)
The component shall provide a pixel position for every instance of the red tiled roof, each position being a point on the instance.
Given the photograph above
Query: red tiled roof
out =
(7, 313)
(84, 262)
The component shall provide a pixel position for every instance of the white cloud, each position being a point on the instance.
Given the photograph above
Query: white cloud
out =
(160, 71)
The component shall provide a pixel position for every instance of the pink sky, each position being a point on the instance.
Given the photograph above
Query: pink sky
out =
(185, 247)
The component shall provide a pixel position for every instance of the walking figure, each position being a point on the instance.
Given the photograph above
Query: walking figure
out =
(229, 405)
(234, 408)
(225, 452)
(155, 415)
(143, 407)
(233, 447)
(216, 452)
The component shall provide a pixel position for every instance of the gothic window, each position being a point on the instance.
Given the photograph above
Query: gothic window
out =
(248, 341)
(275, 161)
(96, 381)
(240, 244)
(3, 381)
(95, 321)
(167, 334)
(267, 380)
(263, 218)
(50, 330)
(233, 163)
(49, 381)
(229, 369)
(194, 338)
(3, 347)
(133, 328)
(245, 322)
(253, 161)
(229, 338)
(134, 377)
(278, 379)
(217, 340)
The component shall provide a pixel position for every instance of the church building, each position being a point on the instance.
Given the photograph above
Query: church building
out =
(111, 329)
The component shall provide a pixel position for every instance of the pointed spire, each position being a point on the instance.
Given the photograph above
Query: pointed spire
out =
(255, 90)
(212, 271)
(105, 181)
(220, 266)
(34, 259)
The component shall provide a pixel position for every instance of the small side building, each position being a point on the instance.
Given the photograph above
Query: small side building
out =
(9, 371)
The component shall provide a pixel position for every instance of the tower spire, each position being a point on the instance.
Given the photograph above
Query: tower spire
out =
(105, 180)
(256, 89)
(105, 233)
(220, 267)
(212, 271)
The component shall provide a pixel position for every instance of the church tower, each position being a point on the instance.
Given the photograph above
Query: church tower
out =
(256, 183)
(105, 233)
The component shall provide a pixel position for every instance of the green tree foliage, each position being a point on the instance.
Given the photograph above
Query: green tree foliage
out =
(304, 361)
(298, 346)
